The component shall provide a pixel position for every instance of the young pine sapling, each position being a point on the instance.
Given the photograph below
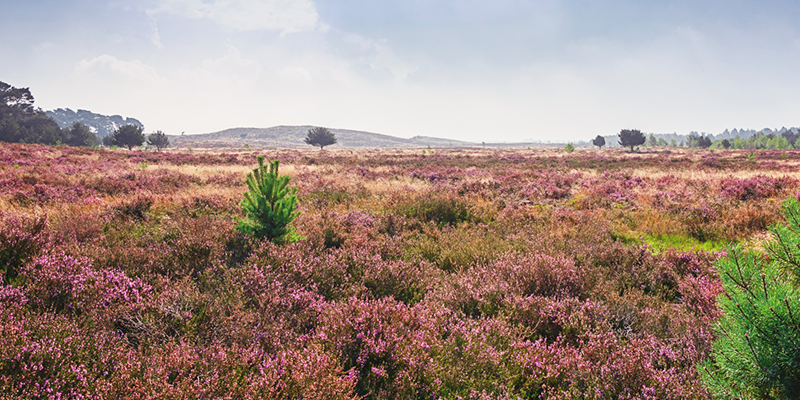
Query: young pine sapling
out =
(269, 205)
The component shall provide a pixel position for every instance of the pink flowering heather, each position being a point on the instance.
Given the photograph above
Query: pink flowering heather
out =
(457, 274)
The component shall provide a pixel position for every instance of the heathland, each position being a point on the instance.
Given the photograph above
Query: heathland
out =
(425, 274)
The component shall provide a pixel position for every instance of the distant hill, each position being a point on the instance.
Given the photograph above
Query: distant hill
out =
(100, 125)
(293, 136)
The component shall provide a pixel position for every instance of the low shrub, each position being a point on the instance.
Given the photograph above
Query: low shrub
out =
(21, 238)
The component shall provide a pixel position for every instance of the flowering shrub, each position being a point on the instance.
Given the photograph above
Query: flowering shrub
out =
(460, 274)
(20, 239)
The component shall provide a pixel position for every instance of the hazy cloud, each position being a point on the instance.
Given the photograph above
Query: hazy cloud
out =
(43, 46)
(155, 37)
(295, 74)
(248, 15)
(379, 56)
(107, 64)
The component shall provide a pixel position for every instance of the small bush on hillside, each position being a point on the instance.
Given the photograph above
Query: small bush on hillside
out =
(270, 206)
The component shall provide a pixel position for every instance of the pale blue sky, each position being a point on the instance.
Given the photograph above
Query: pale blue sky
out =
(502, 70)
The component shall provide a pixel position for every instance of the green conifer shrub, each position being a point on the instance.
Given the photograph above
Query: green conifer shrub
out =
(269, 205)
(757, 350)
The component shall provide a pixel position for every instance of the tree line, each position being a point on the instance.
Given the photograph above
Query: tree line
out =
(633, 138)
(21, 122)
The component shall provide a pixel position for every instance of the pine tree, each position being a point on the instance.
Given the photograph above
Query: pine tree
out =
(129, 136)
(599, 141)
(757, 351)
(158, 139)
(269, 205)
(320, 137)
(631, 138)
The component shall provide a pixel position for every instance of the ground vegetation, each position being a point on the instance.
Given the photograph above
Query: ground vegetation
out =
(457, 274)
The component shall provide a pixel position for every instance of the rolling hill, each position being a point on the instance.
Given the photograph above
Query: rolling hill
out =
(292, 136)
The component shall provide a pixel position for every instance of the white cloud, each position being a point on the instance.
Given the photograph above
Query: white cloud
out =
(295, 74)
(248, 15)
(380, 56)
(232, 68)
(233, 59)
(155, 36)
(43, 46)
(107, 64)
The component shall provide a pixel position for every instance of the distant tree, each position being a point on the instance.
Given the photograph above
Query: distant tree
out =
(652, 141)
(80, 135)
(704, 142)
(726, 143)
(10, 131)
(107, 141)
(158, 139)
(631, 138)
(791, 136)
(320, 137)
(599, 141)
(15, 101)
(129, 136)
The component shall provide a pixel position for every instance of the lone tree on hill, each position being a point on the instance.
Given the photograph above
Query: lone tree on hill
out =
(129, 136)
(320, 137)
(599, 141)
(158, 139)
(631, 138)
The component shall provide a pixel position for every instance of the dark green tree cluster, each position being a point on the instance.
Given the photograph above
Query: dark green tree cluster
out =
(761, 140)
(129, 136)
(787, 139)
(21, 122)
(757, 351)
(269, 206)
(701, 141)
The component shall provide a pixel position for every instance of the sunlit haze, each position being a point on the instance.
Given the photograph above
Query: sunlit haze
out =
(477, 70)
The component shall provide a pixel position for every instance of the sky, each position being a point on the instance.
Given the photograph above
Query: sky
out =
(476, 70)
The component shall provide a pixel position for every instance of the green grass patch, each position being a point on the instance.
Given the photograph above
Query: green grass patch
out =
(663, 242)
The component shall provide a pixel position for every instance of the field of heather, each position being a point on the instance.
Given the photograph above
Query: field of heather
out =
(452, 273)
